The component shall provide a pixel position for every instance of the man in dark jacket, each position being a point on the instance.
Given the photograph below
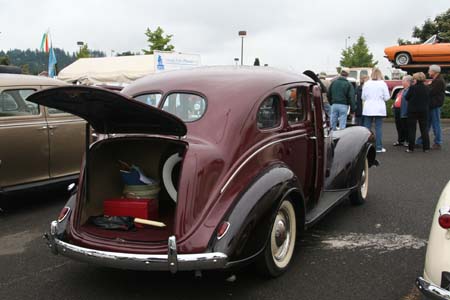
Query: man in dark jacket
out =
(437, 96)
(341, 94)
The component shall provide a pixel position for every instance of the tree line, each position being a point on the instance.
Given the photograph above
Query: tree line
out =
(36, 61)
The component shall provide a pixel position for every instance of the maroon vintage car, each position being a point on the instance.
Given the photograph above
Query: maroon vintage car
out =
(245, 160)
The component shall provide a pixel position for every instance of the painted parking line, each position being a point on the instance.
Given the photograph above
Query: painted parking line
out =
(381, 242)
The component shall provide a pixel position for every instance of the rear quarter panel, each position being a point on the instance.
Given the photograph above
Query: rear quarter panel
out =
(437, 258)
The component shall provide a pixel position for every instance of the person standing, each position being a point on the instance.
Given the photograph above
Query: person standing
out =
(374, 95)
(359, 105)
(437, 96)
(341, 94)
(418, 98)
(401, 113)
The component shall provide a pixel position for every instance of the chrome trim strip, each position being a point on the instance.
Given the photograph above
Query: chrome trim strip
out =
(432, 291)
(37, 123)
(146, 262)
(66, 121)
(253, 155)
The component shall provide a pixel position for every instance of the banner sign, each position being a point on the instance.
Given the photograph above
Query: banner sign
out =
(166, 61)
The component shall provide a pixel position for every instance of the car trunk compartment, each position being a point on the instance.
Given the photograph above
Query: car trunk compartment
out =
(103, 181)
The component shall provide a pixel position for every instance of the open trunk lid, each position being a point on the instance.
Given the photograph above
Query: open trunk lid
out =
(110, 112)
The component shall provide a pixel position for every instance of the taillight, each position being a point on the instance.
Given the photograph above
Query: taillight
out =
(444, 218)
(63, 214)
(223, 229)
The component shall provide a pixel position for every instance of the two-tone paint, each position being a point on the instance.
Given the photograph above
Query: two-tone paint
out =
(232, 171)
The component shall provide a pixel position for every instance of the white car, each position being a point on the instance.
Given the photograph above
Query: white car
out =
(435, 283)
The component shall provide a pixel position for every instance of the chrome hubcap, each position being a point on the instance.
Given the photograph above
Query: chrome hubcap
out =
(365, 180)
(402, 59)
(282, 235)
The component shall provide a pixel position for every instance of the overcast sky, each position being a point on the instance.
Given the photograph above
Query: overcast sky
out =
(294, 35)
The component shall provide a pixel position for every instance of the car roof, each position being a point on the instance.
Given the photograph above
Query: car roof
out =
(20, 79)
(217, 83)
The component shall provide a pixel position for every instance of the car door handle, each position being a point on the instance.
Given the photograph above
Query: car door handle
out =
(43, 128)
(312, 137)
(51, 127)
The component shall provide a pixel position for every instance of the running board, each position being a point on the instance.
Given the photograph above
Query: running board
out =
(327, 201)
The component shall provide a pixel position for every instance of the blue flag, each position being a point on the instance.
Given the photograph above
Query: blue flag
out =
(51, 63)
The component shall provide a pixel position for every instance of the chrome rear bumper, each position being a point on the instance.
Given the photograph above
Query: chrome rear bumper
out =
(171, 261)
(431, 291)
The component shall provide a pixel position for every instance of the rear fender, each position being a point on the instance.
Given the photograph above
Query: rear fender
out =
(252, 216)
(350, 148)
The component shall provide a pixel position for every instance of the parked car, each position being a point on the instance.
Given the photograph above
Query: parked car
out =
(432, 51)
(40, 145)
(357, 73)
(435, 283)
(244, 156)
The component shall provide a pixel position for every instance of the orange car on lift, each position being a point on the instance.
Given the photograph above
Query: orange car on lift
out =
(432, 51)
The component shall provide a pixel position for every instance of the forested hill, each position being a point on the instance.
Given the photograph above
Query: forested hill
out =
(35, 61)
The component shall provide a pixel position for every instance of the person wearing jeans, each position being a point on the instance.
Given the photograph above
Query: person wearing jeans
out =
(437, 96)
(374, 94)
(339, 113)
(368, 120)
(341, 94)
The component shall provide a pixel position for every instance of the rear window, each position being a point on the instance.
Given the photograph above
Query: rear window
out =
(187, 107)
(152, 99)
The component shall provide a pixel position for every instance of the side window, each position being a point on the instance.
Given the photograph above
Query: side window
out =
(294, 103)
(187, 107)
(363, 73)
(269, 113)
(13, 103)
(152, 99)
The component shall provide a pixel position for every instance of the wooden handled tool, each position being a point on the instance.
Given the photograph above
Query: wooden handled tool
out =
(149, 222)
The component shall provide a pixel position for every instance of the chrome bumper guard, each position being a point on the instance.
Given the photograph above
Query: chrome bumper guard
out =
(430, 291)
(172, 261)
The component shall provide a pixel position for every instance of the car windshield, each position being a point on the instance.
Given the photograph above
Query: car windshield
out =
(431, 40)
(152, 99)
(188, 107)
(353, 74)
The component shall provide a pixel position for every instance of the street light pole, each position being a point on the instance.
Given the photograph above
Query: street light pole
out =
(242, 34)
(347, 38)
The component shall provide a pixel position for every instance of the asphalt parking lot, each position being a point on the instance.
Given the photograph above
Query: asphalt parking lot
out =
(373, 251)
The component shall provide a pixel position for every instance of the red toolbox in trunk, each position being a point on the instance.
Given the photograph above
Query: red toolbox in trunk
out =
(127, 207)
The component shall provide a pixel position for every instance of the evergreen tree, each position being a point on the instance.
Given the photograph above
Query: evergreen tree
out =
(357, 55)
(127, 53)
(84, 52)
(4, 60)
(157, 41)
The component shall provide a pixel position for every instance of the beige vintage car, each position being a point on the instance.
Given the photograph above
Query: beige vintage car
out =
(39, 145)
(435, 283)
